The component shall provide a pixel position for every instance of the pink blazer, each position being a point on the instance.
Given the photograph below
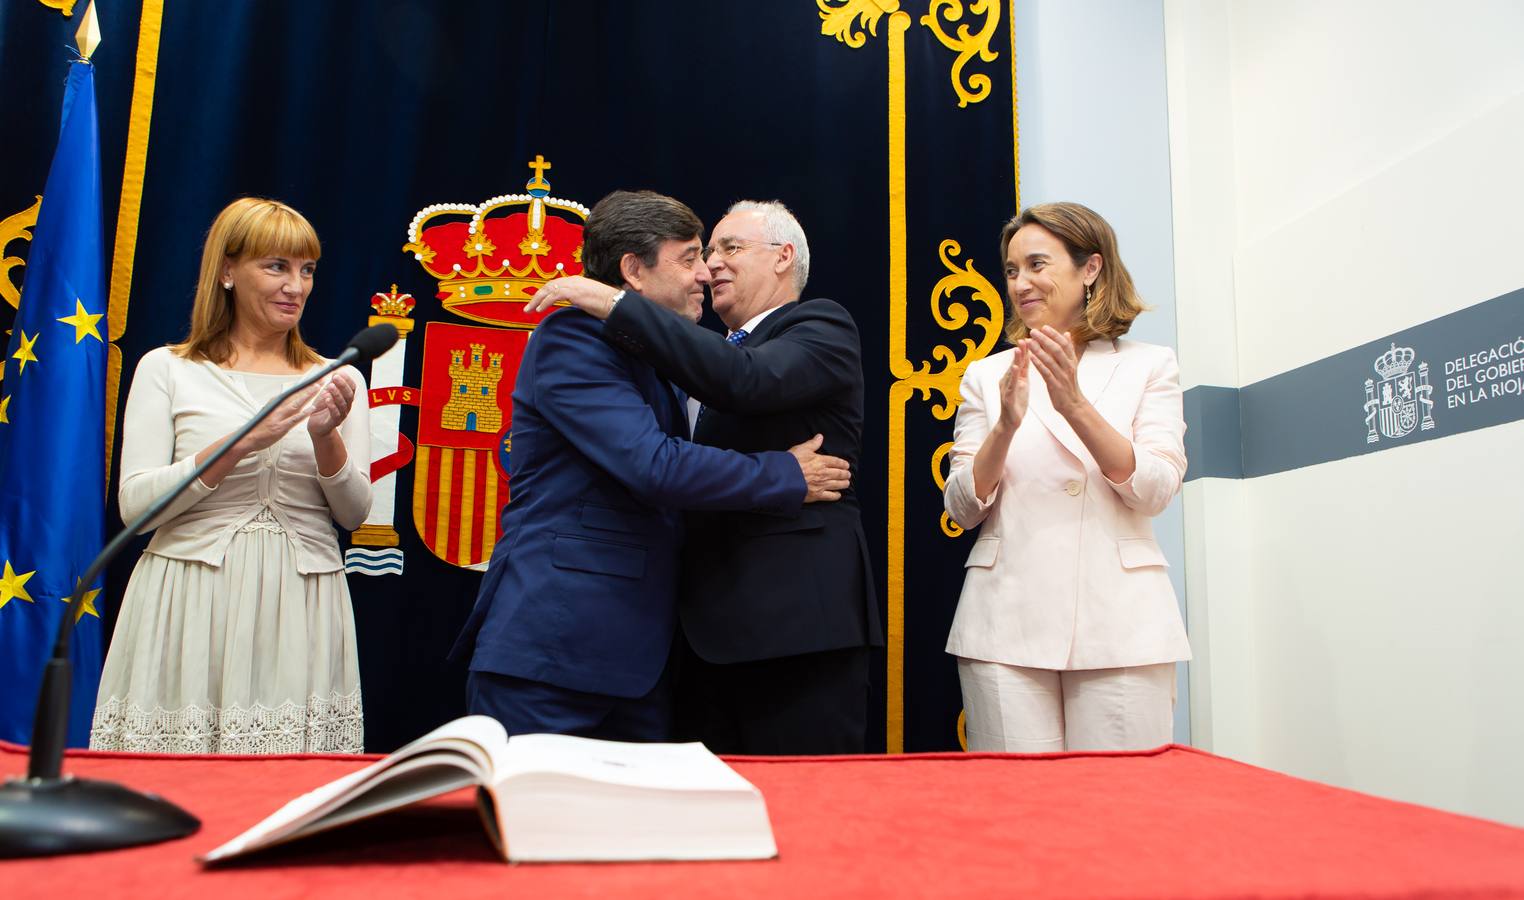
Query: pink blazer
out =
(1065, 572)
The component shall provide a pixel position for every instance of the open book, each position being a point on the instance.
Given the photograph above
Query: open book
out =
(548, 797)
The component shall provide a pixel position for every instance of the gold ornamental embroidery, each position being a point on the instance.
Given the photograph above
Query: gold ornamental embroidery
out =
(967, 44)
(850, 22)
(838, 21)
(15, 227)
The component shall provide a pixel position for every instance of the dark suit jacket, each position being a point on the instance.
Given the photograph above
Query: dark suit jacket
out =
(758, 586)
(580, 592)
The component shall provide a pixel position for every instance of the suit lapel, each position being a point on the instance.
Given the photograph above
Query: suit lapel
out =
(770, 324)
(679, 409)
(1094, 373)
(671, 414)
(704, 424)
(1096, 368)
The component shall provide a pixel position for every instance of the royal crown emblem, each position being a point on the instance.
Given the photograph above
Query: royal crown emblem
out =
(487, 261)
(392, 305)
(491, 258)
(1395, 362)
(1393, 405)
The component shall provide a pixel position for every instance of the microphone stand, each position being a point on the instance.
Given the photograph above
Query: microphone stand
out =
(49, 813)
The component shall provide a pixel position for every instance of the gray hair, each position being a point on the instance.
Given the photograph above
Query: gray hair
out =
(780, 227)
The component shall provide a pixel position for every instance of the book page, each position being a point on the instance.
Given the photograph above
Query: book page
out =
(419, 778)
(563, 798)
(452, 756)
(670, 767)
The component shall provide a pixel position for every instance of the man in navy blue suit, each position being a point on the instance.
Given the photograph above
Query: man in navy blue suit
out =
(575, 619)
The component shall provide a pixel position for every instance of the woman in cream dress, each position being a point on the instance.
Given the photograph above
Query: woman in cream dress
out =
(236, 633)
(1067, 631)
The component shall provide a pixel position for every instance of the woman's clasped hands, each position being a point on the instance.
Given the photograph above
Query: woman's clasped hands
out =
(1053, 354)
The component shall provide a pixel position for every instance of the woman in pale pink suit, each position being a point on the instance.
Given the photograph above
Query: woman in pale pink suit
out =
(1067, 445)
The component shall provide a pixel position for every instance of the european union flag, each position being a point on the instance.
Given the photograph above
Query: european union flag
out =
(52, 429)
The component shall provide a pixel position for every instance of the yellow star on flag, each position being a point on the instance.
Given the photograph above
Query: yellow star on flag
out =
(11, 585)
(88, 606)
(24, 352)
(5, 406)
(83, 322)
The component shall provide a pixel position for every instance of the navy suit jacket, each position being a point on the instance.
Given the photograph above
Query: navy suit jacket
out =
(766, 586)
(581, 590)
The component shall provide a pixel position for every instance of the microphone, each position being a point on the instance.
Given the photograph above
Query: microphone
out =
(48, 813)
(369, 344)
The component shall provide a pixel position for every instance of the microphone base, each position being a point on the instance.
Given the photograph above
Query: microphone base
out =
(53, 816)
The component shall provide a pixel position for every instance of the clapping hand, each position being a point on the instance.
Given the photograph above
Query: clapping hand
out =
(1054, 355)
(1014, 387)
(331, 406)
(281, 420)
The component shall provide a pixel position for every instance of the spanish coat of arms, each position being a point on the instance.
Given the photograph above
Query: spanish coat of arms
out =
(1393, 404)
(488, 260)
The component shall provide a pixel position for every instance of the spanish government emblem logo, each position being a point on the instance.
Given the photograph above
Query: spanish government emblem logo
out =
(487, 260)
(1402, 400)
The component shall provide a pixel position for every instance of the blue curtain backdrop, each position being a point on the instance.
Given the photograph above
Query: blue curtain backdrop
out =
(362, 113)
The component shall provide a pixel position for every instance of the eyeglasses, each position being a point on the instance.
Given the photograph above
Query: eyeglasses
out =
(729, 247)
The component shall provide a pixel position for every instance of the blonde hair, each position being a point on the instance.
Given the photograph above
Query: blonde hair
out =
(247, 227)
(1114, 302)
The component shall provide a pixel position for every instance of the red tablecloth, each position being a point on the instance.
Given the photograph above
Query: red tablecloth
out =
(1173, 822)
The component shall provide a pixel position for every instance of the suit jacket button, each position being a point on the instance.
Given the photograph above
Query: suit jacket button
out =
(1072, 488)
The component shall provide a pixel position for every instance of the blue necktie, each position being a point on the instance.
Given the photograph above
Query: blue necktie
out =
(735, 339)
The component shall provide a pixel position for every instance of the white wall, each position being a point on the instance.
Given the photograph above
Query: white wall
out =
(1344, 170)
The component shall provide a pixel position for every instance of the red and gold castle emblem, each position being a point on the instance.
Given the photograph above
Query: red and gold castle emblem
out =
(487, 261)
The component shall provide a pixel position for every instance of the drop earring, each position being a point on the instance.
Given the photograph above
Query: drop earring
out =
(1087, 294)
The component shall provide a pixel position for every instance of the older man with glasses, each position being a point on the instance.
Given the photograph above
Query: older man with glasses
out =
(779, 612)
